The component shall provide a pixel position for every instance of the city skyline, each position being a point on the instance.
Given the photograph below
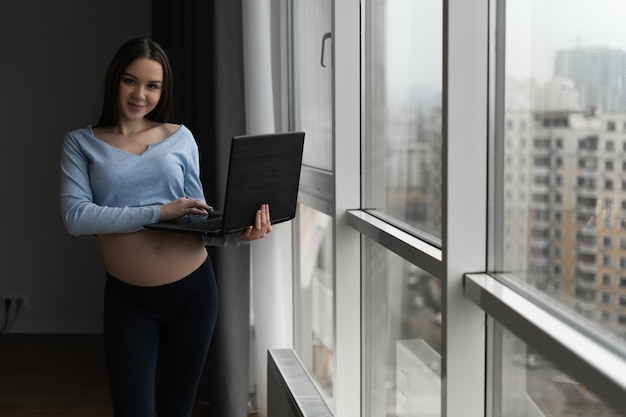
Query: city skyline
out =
(536, 30)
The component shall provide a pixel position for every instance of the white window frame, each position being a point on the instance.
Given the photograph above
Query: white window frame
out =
(464, 209)
(469, 298)
(346, 163)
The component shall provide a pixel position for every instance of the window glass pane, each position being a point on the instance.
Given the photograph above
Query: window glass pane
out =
(402, 346)
(312, 106)
(312, 75)
(314, 289)
(564, 215)
(402, 115)
(531, 386)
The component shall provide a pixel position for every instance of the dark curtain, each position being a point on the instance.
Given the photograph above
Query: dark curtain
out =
(204, 40)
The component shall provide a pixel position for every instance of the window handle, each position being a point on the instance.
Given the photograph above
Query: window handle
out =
(326, 36)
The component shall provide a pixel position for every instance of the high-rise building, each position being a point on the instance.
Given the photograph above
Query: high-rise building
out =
(577, 212)
(598, 73)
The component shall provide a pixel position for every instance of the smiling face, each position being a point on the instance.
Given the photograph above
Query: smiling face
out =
(140, 89)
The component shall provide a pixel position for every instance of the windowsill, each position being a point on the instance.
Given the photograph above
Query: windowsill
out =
(400, 242)
(603, 369)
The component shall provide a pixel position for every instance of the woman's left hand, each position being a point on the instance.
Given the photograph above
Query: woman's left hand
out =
(262, 225)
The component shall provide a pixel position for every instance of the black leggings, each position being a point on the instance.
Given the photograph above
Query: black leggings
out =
(170, 324)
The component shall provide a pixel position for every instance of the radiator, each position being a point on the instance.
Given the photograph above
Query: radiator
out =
(290, 390)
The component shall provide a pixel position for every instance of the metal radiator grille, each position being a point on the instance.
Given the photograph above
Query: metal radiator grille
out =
(290, 389)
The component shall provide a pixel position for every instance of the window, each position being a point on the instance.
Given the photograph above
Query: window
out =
(403, 326)
(313, 82)
(609, 146)
(537, 60)
(527, 239)
(558, 161)
(404, 120)
(312, 113)
(314, 295)
(608, 165)
(610, 126)
(402, 186)
(556, 117)
(589, 143)
(528, 383)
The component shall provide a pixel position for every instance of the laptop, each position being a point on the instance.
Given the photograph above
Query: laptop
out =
(263, 169)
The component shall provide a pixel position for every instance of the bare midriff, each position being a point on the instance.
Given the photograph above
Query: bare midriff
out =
(149, 258)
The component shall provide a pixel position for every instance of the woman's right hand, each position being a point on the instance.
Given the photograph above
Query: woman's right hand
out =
(182, 207)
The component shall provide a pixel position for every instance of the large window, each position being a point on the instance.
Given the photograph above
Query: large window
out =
(403, 117)
(402, 186)
(562, 216)
(402, 317)
(492, 138)
(557, 147)
(312, 99)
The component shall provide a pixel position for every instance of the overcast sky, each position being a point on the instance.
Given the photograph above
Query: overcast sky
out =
(538, 28)
(414, 46)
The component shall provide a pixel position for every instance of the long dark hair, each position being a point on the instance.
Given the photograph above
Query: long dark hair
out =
(126, 55)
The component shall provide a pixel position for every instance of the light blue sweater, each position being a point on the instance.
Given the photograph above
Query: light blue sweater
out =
(104, 189)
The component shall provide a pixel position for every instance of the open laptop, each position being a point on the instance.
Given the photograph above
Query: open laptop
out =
(263, 169)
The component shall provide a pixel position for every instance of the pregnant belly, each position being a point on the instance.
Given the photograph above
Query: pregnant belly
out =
(151, 258)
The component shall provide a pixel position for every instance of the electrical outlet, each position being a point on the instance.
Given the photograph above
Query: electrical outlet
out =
(16, 300)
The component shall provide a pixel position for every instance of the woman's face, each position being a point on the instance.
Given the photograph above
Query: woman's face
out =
(140, 89)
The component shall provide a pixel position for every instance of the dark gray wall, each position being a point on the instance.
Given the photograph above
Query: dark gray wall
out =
(52, 63)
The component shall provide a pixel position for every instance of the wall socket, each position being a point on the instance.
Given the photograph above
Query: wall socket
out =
(16, 300)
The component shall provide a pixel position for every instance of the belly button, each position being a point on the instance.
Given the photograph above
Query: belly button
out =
(159, 251)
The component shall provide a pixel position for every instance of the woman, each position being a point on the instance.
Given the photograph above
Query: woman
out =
(131, 169)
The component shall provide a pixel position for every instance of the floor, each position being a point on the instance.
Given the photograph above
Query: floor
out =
(56, 375)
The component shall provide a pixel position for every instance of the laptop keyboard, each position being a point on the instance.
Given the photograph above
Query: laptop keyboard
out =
(204, 224)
